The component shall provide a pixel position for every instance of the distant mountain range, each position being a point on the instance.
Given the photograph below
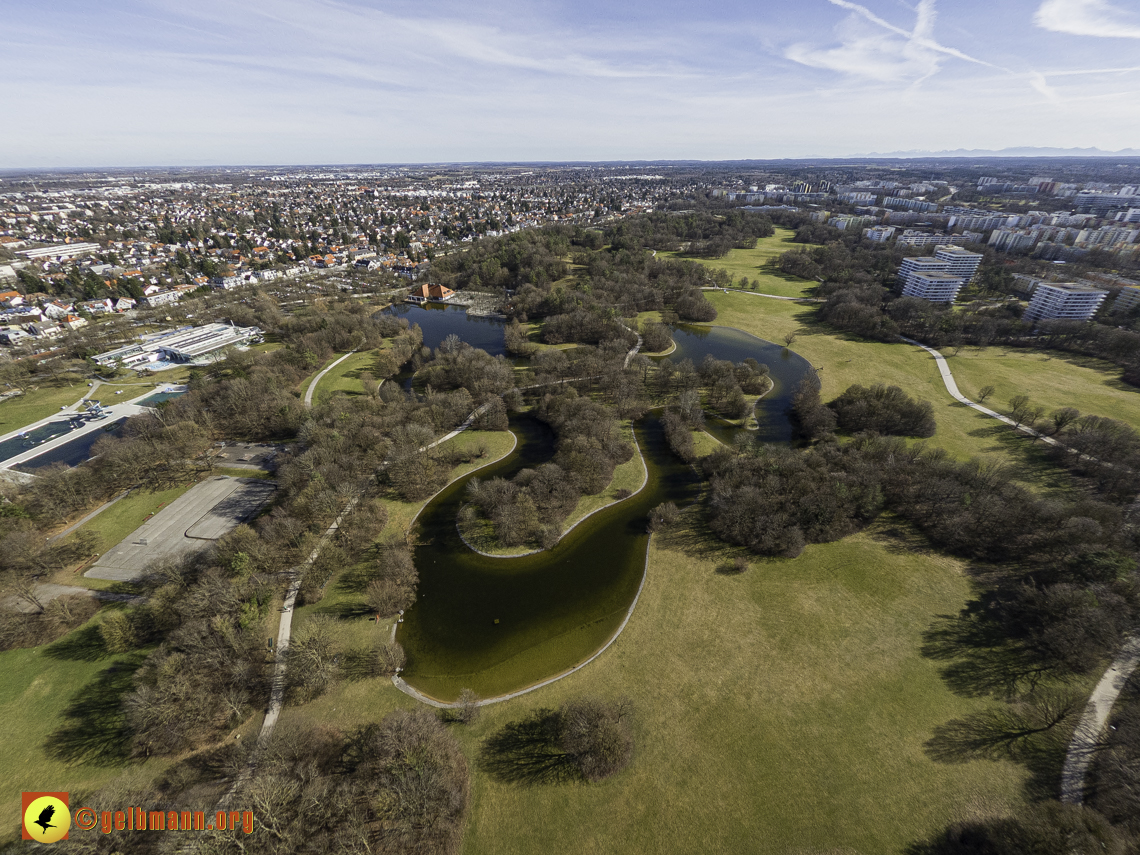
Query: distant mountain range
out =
(1020, 151)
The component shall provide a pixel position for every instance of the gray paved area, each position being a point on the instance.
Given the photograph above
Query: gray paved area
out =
(247, 455)
(190, 522)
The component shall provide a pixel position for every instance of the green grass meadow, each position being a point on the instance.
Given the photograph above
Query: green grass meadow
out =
(36, 404)
(1050, 379)
(63, 725)
(780, 710)
(346, 376)
(755, 264)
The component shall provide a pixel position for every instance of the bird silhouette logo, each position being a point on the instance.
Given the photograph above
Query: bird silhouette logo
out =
(44, 821)
(47, 817)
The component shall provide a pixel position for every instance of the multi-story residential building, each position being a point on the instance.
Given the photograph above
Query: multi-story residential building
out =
(879, 234)
(1063, 301)
(911, 237)
(1008, 240)
(1128, 298)
(935, 286)
(929, 279)
(962, 262)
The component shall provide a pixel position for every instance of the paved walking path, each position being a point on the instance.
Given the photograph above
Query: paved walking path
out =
(316, 380)
(952, 388)
(758, 294)
(1086, 737)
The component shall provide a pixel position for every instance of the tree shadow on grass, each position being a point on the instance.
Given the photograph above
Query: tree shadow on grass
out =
(358, 664)
(527, 752)
(348, 610)
(982, 659)
(95, 728)
(84, 644)
(1007, 733)
(355, 580)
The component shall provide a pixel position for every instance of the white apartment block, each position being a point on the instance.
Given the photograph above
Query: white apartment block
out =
(1128, 298)
(962, 262)
(1063, 301)
(879, 234)
(913, 237)
(935, 286)
(930, 279)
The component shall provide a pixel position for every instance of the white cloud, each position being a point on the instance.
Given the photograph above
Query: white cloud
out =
(1087, 18)
(888, 53)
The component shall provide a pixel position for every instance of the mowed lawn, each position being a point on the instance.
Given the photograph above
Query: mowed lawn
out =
(1050, 379)
(781, 710)
(36, 404)
(843, 360)
(754, 264)
(346, 376)
(63, 730)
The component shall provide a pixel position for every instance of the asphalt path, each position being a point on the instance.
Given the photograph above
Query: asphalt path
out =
(1087, 737)
(316, 380)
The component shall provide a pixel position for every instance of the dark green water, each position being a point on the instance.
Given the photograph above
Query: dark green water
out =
(786, 369)
(499, 624)
(553, 608)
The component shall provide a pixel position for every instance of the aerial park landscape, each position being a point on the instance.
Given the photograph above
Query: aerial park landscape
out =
(430, 429)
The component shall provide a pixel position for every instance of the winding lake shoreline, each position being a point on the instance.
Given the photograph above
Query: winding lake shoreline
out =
(499, 624)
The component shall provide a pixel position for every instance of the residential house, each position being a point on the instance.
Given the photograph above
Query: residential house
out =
(430, 293)
(57, 310)
(97, 307)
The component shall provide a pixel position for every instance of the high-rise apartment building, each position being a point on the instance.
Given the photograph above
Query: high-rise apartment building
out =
(962, 262)
(1063, 301)
(938, 279)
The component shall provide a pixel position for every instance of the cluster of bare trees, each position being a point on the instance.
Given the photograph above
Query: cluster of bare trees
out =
(885, 410)
(209, 670)
(699, 233)
(457, 365)
(587, 738)
(878, 409)
(532, 506)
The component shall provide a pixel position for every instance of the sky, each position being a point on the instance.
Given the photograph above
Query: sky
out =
(205, 82)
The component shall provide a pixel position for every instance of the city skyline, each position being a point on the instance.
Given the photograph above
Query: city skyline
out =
(153, 82)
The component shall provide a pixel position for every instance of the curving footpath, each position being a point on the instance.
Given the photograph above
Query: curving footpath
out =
(758, 294)
(1086, 737)
(316, 380)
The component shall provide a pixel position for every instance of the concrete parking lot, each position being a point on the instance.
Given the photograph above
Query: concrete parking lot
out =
(191, 522)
